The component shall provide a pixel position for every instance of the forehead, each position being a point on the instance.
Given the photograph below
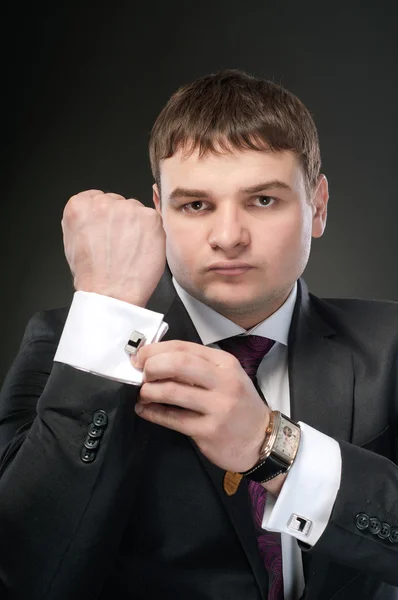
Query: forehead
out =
(228, 171)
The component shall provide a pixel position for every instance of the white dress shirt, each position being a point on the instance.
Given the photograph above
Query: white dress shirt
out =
(94, 338)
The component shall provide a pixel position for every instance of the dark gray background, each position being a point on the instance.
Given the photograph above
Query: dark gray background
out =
(84, 81)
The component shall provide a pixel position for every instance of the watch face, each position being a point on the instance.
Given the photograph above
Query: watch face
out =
(287, 439)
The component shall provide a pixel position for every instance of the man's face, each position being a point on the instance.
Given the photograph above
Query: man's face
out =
(238, 228)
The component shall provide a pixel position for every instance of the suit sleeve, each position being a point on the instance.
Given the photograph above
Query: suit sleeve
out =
(61, 516)
(363, 528)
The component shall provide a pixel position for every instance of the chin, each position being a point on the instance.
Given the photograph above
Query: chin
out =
(231, 301)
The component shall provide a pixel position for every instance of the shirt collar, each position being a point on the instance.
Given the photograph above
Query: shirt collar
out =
(213, 327)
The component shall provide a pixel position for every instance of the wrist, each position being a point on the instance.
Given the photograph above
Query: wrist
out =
(134, 299)
(279, 450)
(257, 441)
(275, 485)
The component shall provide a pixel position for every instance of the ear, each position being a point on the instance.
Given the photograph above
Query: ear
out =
(319, 207)
(156, 199)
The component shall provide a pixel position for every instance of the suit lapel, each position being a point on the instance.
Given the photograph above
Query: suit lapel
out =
(321, 378)
(166, 301)
(321, 374)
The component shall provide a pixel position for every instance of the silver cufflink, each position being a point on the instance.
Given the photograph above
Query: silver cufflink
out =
(299, 524)
(136, 341)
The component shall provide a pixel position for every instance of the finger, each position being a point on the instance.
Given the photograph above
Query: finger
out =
(104, 197)
(181, 366)
(91, 193)
(77, 200)
(135, 201)
(176, 394)
(184, 421)
(115, 196)
(213, 355)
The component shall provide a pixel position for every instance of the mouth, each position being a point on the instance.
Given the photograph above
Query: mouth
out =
(230, 269)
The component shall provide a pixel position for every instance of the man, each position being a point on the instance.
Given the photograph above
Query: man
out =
(141, 469)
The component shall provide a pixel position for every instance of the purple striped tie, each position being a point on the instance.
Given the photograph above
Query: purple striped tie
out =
(250, 350)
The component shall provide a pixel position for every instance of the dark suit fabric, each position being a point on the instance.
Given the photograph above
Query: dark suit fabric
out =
(148, 517)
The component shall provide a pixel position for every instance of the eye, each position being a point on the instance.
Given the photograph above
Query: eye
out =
(195, 206)
(265, 200)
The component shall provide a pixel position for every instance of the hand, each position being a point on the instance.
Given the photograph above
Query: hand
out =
(205, 394)
(114, 246)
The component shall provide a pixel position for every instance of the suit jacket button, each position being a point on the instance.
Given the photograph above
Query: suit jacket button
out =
(394, 535)
(385, 531)
(374, 526)
(94, 431)
(87, 455)
(91, 443)
(362, 521)
(100, 418)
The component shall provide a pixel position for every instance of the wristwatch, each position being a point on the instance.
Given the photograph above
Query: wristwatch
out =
(279, 450)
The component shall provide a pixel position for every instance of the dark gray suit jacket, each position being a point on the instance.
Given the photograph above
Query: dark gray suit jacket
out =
(147, 517)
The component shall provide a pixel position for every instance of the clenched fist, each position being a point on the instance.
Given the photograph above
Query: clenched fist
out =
(114, 246)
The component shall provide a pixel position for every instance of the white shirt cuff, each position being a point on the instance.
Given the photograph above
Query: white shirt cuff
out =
(310, 488)
(97, 330)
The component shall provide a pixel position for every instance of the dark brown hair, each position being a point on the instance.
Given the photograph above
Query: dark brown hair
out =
(234, 110)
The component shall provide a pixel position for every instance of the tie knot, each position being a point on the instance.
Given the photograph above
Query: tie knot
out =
(248, 349)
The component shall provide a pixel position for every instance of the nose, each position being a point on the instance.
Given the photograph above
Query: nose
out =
(229, 230)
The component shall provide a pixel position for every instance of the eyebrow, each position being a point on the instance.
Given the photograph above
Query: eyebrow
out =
(180, 192)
